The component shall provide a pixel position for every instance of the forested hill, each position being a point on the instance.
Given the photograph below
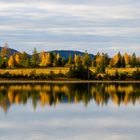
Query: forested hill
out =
(63, 53)
(11, 51)
(67, 53)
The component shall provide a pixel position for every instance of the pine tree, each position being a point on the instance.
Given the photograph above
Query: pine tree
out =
(34, 58)
(63, 61)
(101, 61)
(25, 60)
(122, 62)
(70, 61)
(106, 59)
(3, 62)
(133, 60)
(78, 61)
(55, 59)
(58, 60)
(86, 60)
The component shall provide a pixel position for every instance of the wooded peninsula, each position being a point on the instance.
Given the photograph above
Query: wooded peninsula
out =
(52, 66)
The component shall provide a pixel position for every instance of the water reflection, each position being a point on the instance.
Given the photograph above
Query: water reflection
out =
(53, 94)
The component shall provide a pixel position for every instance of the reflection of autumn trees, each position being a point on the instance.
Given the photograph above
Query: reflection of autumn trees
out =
(52, 94)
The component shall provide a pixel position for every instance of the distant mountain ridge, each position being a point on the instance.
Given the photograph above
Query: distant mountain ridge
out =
(63, 53)
(12, 51)
(67, 53)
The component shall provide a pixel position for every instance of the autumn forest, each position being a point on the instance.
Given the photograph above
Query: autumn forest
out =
(100, 67)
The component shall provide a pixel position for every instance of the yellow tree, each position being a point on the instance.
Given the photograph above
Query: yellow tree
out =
(117, 61)
(75, 58)
(98, 59)
(11, 62)
(45, 59)
(77, 61)
(101, 62)
(48, 59)
(127, 59)
(57, 56)
(17, 59)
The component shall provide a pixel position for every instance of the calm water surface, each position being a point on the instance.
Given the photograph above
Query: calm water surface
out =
(69, 111)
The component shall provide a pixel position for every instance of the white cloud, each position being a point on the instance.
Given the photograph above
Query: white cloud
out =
(80, 22)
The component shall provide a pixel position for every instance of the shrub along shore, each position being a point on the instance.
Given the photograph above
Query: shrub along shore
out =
(69, 74)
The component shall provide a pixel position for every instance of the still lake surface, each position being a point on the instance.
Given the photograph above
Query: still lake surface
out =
(69, 111)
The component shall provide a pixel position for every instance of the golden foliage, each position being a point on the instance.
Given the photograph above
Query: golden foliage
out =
(45, 59)
(17, 59)
(127, 59)
(11, 62)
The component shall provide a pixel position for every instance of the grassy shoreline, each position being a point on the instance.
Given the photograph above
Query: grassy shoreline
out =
(65, 81)
(62, 75)
(64, 70)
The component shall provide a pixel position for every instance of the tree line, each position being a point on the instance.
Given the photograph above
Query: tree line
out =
(48, 59)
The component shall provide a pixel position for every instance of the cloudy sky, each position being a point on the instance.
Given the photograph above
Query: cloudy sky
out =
(93, 25)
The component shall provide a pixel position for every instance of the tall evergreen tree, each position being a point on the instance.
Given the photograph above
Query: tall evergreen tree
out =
(58, 60)
(101, 62)
(25, 60)
(78, 61)
(34, 58)
(70, 60)
(86, 60)
(122, 62)
(133, 60)
(3, 62)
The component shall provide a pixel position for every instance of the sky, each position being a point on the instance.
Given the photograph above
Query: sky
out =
(94, 25)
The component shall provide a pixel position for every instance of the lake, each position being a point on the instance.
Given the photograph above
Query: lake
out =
(69, 111)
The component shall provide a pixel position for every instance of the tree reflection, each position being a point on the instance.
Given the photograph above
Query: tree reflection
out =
(53, 94)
